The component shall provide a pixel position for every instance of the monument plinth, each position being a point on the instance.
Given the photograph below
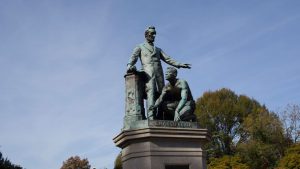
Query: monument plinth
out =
(163, 148)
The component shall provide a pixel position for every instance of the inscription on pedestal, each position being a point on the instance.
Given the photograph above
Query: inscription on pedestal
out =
(174, 124)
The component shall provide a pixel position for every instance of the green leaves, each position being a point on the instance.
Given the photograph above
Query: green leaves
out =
(227, 162)
(240, 126)
(291, 159)
(6, 164)
(223, 112)
(258, 155)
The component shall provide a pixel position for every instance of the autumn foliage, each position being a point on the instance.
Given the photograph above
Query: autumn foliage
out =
(76, 163)
(244, 132)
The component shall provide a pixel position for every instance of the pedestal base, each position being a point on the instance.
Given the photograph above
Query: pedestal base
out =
(163, 148)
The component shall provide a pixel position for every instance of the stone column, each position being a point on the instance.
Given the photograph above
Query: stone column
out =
(134, 109)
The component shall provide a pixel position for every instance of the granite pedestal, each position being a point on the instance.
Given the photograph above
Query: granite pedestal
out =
(163, 145)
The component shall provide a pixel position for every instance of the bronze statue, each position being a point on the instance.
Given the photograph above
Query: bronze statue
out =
(176, 99)
(150, 57)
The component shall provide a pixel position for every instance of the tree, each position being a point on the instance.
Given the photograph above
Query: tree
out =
(6, 164)
(264, 126)
(76, 163)
(227, 162)
(241, 126)
(266, 143)
(118, 162)
(291, 120)
(223, 112)
(258, 155)
(291, 159)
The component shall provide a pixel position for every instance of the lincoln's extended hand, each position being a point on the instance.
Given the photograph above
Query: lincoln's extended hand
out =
(185, 65)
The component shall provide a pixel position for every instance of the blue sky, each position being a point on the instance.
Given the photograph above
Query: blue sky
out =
(62, 65)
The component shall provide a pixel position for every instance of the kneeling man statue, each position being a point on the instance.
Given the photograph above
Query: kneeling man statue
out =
(176, 99)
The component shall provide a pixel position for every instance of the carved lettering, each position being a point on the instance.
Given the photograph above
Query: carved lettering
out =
(163, 123)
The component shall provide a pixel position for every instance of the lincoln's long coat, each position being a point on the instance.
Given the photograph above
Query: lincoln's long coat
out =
(150, 57)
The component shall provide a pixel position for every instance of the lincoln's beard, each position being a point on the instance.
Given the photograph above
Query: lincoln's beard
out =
(150, 39)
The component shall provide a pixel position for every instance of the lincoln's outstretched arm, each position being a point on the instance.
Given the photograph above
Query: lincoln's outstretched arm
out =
(172, 62)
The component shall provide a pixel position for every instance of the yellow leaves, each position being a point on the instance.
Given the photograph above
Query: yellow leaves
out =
(75, 163)
(227, 162)
(292, 158)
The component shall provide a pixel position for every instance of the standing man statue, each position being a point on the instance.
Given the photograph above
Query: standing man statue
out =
(150, 57)
(176, 99)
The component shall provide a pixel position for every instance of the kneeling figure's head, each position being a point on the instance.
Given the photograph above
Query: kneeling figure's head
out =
(171, 73)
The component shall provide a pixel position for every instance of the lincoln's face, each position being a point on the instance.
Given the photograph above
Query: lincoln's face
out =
(151, 35)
